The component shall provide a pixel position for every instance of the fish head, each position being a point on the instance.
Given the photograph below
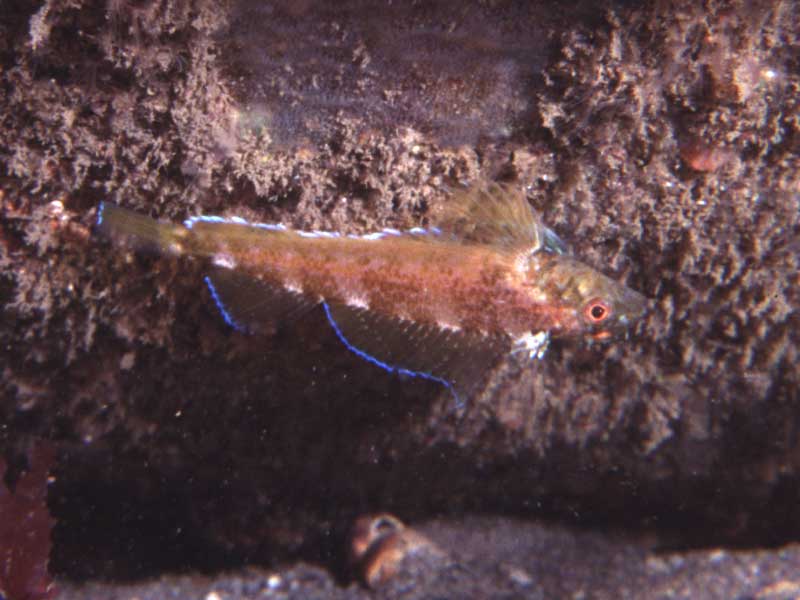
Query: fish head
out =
(602, 307)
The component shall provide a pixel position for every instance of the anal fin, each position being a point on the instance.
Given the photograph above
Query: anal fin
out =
(455, 359)
(253, 306)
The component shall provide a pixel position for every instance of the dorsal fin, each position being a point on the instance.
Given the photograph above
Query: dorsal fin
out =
(456, 359)
(253, 306)
(498, 215)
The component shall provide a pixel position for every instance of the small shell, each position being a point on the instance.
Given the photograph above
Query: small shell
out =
(381, 544)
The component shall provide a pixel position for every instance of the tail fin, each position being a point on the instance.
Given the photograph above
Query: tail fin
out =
(139, 231)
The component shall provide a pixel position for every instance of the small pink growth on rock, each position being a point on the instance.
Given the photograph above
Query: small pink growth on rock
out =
(702, 157)
(25, 526)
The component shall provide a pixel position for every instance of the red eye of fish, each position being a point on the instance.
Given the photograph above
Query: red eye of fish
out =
(597, 311)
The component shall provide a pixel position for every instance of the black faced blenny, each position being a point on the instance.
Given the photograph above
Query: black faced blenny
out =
(444, 303)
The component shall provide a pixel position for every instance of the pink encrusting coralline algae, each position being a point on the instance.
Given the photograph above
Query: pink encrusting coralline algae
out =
(25, 529)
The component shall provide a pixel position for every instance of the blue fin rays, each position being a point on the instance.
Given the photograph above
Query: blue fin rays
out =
(386, 366)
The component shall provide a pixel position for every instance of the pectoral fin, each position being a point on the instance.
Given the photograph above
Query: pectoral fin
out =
(497, 215)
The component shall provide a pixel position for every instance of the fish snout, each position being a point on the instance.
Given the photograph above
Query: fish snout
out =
(632, 307)
(629, 306)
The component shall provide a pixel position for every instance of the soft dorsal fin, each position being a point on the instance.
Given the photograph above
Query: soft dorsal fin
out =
(499, 215)
(456, 359)
(253, 306)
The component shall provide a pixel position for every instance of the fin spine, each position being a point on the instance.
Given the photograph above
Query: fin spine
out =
(221, 306)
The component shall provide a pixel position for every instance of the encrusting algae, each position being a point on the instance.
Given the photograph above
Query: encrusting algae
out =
(444, 303)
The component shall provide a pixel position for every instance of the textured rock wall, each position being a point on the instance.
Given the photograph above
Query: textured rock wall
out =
(659, 140)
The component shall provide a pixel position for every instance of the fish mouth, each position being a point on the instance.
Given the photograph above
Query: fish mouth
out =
(600, 336)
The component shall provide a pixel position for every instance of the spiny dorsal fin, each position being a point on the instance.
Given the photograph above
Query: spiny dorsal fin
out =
(253, 306)
(498, 215)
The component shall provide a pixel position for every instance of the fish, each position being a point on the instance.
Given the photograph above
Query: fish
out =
(446, 302)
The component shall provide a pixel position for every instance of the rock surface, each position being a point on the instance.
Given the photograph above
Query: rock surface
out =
(502, 558)
(660, 140)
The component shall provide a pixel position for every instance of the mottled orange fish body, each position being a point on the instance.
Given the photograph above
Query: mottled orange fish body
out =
(413, 278)
(489, 280)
